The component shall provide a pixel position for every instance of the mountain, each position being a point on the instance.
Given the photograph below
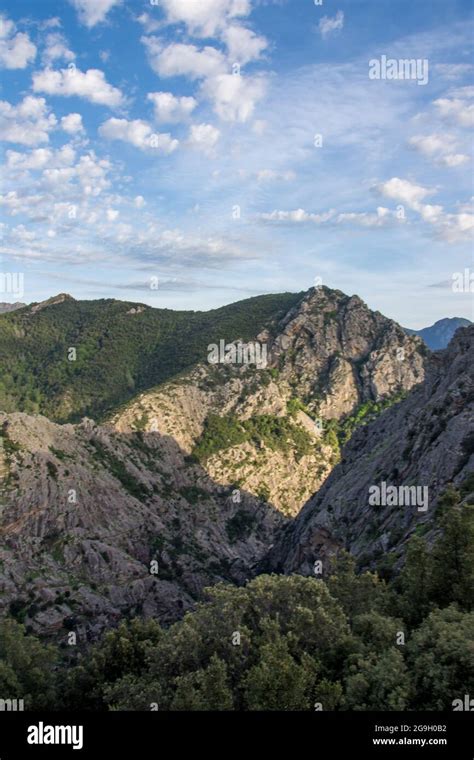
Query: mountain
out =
(192, 474)
(6, 307)
(439, 335)
(84, 512)
(68, 359)
(274, 431)
(260, 428)
(426, 441)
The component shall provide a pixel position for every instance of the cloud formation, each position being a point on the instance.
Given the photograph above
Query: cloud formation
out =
(90, 85)
(328, 25)
(17, 51)
(138, 133)
(92, 12)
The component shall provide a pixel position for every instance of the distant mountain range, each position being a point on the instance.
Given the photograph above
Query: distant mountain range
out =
(4, 307)
(439, 335)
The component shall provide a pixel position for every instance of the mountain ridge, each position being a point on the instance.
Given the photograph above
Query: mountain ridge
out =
(86, 507)
(438, 335)
(425, 440)
(329, 357)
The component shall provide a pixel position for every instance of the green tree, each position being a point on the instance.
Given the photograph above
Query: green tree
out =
(415, 581)
(453, 558)
(26, 667)
(356, 593)
(122, 651)
(377, 682)
(440, 658)
(278, 681)
(206, 689)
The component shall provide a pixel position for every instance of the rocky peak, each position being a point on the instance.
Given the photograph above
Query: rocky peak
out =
(328, 355)
(426, 441)
(60, 298)
(339, 353)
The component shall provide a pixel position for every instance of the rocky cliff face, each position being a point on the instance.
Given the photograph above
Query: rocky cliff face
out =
(185, 486)
(329, 355)
(425, 442)
(337, 353)
(85, 512)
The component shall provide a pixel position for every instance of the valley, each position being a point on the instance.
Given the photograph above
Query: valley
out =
(228, 479)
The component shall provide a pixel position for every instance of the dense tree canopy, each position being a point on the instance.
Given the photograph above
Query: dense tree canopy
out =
(349, 642)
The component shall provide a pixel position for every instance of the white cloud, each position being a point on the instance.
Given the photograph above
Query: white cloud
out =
(298, 216)
(466, 92)
(327, 25)
(455, 159)
(58, 177)
(16, 50)
(72, 123)
(138, 133)
(92, 12)
(112, 214)
(169, 245)
(56, 49)
(203, 137)
(39, 158)
(7, 27)
(151, 24)
(404, 191)
(458, 107)
(439, 147)
(139, 201)
(169, 108)
(27, 123)
(35, 159)
(233, 96)
(51, 23)
(453, 228)
(456, 228)
(381, 218)
(243, 45)
(179, 59)
(60, 184)
(92, 172)
(204, 18)
(432, 145)
(90, 85)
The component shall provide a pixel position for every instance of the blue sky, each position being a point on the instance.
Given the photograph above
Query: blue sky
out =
(191, 153)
